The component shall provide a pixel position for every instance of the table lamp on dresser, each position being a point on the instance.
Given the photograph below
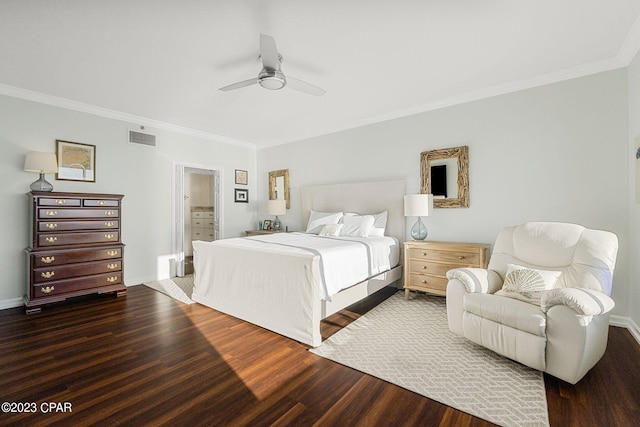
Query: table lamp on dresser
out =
(41, 163)
(276, 207)
(418, 205)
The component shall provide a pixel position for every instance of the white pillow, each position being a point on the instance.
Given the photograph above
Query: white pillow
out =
(527, 284)
(332, 230)
(379, 223)
(318, 219)
(357, 225)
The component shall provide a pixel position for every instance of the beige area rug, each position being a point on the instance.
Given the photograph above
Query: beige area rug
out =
(179, 288)
(408, 343)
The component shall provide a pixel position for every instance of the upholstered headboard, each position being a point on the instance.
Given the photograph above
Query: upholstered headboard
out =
(362, 198)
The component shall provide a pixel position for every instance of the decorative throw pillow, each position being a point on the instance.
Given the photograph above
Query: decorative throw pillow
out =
(318, 219)
(332, 230)
(527, 283)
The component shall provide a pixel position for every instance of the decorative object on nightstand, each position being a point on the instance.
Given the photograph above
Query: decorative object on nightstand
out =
(41, 163)
(276, 207)
(418, 205)
(426, 263)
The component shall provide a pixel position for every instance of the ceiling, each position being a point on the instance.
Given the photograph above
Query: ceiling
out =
(159, 63)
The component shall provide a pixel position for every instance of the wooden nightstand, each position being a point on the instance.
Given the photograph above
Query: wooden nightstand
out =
(259, 232)
(426, 263)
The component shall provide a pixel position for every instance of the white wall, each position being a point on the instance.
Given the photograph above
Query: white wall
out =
(634, 193)
(143, 174)
(553, 153)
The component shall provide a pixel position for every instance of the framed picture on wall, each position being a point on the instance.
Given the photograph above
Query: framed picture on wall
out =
(76, 161)
(241, 195)
(242, 177)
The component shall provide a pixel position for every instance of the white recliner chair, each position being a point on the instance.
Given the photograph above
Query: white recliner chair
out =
(544, 299)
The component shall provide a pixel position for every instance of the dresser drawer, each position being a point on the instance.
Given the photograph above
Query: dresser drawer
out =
(77, 225)
(101, 202)
(54, 258)
(59, 239)
(197, 222)
(197, 215)
(458, 257)
(51, 274)
(53, 213)
(76, 284)
(61, 201)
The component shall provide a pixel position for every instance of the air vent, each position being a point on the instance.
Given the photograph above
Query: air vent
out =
(142, 138)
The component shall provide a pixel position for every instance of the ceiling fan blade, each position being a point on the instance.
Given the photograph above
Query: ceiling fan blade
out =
(238, 85)
(269, 52)
(302, 86)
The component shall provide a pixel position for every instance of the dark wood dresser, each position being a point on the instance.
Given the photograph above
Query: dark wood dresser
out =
(76, 247)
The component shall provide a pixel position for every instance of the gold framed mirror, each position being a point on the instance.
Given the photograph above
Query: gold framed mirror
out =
(279, 186)
(446, 171)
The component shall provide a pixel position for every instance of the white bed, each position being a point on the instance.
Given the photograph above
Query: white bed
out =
(288, 282)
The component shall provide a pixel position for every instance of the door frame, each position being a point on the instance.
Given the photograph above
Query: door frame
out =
(178, 220)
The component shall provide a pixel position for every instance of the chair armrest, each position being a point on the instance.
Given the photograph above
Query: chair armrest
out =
(586, 302)
(478, 280)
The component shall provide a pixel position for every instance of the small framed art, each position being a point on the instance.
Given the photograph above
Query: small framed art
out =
(241, 195)
(266, 225)
(242, 177)
(76, 161)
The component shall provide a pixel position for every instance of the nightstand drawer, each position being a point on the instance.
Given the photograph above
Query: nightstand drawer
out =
(457, 257)
(426, 267)
(431, 284)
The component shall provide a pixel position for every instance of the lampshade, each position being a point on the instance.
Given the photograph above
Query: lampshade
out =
(418, 204)
(276, 207)
(41, 162)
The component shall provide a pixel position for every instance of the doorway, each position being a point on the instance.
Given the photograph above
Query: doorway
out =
(197, 211)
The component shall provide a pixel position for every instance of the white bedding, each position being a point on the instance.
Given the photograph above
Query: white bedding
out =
(343, 261)
(275, 281)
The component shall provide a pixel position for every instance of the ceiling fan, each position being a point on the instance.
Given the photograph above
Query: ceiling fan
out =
(271, 76)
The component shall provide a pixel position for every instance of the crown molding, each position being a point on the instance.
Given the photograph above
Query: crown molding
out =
(68, 104)
(631, 44)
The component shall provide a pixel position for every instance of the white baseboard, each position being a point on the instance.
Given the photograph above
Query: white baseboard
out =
(626, 322)
(19, 302)
(11, 303)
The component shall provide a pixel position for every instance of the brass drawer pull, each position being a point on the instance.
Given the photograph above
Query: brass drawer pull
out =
(112, 253)
(48, 274)
(109, 213)
(101, 202)
(112, 279)
(48, 259)
(108, 236)
(52, 226)
(51, 239)
(109, 224)
(424, 254)
(52, 213)
(424, 281)
(424, 267)
(112, 266)
(461, 257)
(48, 289)
(61, 202)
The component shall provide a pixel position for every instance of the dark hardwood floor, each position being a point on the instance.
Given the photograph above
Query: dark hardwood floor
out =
(145, 359)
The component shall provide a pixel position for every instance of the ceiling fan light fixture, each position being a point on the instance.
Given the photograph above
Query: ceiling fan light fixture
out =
(272, 80)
